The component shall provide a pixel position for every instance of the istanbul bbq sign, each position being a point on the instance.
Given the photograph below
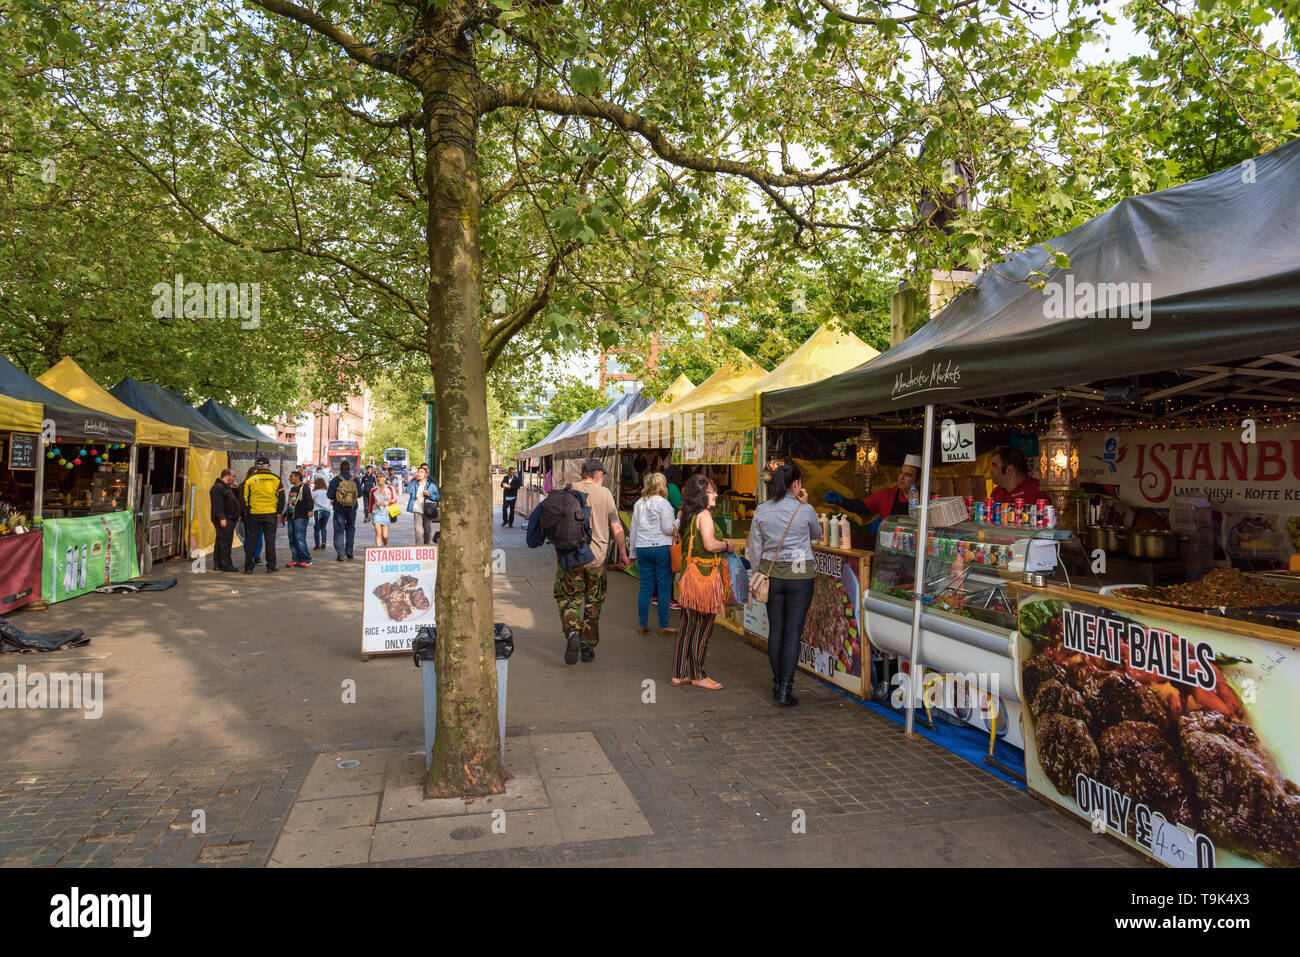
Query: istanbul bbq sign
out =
(1237, 470)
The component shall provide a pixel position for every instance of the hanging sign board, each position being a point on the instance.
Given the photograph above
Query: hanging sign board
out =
(22, 451)
(957, 441)
(398, 597)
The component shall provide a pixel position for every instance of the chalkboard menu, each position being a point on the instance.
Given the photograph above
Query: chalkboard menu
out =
(23, 451)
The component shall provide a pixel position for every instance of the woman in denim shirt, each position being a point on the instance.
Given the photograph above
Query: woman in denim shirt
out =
(420, 488)
(790, 572)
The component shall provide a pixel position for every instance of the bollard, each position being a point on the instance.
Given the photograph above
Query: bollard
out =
(422, 651)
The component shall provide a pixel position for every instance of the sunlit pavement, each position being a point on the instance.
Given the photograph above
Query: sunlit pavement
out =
(226, 740)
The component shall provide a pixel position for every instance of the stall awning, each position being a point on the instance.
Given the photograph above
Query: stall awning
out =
(1204, 273)
(659, 425)
(69, 379)
(230, 420)
(19, 416)
(543, 447)
(829, 351)
(71, 419)
(171, 407)
(604, 431)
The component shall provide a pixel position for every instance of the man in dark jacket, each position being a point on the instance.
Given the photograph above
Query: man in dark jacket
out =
(225, 514)
(368, 483)
(511, 483)
(344, 492)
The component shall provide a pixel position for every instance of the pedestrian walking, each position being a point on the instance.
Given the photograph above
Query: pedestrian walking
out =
(579, 520)
(263, 497)
(368, 483)
(423, 504)
(780, 546)
(383, 508)
(511, 483)
(650, 543)
(297, 513)
(225, 515)
(703, 585)
(320, 498)
(344, 492)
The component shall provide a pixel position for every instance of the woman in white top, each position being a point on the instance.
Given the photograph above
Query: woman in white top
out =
(649, 544)
(321, 513)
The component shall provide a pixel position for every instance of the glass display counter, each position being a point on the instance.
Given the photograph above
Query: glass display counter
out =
(968, 620)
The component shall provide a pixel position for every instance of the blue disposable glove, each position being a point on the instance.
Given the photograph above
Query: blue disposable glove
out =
(833, 498)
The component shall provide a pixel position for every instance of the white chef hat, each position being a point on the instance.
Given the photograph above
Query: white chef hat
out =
(913, 460)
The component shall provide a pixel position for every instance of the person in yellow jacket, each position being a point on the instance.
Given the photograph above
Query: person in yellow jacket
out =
(263, 498)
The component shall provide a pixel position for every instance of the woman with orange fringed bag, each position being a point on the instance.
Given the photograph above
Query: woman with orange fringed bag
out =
(704, 586)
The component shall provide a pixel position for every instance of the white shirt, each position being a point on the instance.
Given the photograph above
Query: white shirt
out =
(652, 523)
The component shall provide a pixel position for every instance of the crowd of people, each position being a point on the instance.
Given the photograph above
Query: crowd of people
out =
(582, 523)
(260, 503)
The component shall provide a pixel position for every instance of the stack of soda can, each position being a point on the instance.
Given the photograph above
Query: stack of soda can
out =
(1040, 514)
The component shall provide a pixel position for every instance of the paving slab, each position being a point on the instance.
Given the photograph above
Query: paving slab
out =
(331, 814)
(596, 807)
(326, 848)
(430, 837)
(327, 780)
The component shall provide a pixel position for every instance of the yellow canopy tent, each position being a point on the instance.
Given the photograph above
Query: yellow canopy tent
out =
(661, 425)
(69, 379)
(19, 416)
(724, 427)
(675, 392)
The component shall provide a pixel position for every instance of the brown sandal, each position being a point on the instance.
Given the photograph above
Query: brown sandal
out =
(708, 683)
(680, 681)
(642, 629)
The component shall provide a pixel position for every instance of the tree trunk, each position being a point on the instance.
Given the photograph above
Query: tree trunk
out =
(467, 750)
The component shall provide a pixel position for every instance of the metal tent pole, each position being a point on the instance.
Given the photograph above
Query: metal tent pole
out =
(918, 588)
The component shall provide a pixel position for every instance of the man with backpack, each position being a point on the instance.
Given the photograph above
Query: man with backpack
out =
(344, 492)
(579, 521)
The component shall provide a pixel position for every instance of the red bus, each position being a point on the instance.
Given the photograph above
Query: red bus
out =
(344, 449)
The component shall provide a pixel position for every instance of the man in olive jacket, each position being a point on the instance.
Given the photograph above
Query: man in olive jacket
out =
(225, 515)
(263, 497)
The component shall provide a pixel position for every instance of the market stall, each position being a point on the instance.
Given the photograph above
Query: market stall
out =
(1158, 374)
(159, 456)
(209, 445)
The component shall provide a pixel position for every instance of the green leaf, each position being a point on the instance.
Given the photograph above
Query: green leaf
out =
(586, 80)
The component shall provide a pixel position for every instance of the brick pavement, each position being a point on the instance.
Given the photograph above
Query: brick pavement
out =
(221, 693)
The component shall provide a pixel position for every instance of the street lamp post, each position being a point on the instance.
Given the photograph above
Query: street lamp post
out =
(431, 439)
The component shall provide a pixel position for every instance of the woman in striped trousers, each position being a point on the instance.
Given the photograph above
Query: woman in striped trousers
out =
(703, 584)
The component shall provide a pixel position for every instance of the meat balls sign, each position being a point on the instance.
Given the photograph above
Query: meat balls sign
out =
(397, 597)
(1173, 736)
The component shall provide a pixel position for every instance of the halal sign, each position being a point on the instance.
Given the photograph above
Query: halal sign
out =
(957, 441)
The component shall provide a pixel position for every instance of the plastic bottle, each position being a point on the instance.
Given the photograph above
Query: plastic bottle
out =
(825, 527)
(834, 540)
(913, 499)
(846, 534)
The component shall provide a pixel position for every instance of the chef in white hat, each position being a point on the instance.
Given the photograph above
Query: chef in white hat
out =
(887, 501)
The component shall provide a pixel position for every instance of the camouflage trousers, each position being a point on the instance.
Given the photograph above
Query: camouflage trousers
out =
(579, 593)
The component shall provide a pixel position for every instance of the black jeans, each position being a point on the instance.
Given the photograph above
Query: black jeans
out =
(224, 544)
(508, 511)
(787, 607)
(265, 526)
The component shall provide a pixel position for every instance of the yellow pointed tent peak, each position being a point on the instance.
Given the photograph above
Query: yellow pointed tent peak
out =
(17, 415)
(655, 427)
(70, 380)
(827, 352)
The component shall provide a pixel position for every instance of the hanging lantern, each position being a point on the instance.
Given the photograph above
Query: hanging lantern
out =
(868, 456)
(1058, 464)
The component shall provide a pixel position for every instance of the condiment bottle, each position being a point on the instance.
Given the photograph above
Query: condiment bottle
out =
(825, 525)
(834, 541)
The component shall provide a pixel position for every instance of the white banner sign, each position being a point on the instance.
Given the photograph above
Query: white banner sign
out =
(1238, 470)
(398, 597)
(957, 441)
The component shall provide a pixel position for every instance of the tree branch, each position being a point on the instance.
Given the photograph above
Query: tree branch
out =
(363, 53)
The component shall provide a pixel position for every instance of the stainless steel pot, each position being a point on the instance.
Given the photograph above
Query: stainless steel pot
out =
(1109, 538)
(1152, 544)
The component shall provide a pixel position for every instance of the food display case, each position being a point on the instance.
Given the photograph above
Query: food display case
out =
(968, 622)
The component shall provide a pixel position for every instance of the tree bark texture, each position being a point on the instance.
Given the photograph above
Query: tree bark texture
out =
(467, 750)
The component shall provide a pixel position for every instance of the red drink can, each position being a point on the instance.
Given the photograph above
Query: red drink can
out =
(1019, 512)
(970, 506)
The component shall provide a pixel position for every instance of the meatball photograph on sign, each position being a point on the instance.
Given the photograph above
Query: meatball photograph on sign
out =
(1176, 739)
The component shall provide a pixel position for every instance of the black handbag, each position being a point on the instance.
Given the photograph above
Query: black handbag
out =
(430, 509)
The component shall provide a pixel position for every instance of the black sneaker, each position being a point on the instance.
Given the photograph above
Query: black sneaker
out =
(338, 558)
(588, 654)
(248, 571)
(349, 556)
(571, 648)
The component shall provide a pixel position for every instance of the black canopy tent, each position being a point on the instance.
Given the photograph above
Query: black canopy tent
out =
(1185, 279)
(70, 418)
(170, 407)
(1174, 302)
(234, 423)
